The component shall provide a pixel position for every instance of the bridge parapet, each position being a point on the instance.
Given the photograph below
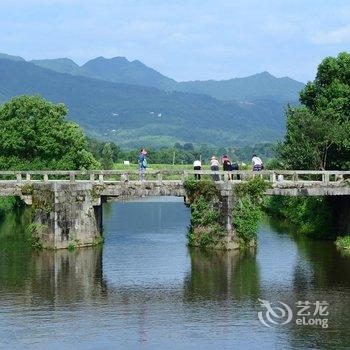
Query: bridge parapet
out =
(102, 176)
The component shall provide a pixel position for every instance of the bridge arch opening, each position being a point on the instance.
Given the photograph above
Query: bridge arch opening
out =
(148, 216)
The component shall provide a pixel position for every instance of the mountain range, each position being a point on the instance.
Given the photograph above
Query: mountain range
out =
(133, 105)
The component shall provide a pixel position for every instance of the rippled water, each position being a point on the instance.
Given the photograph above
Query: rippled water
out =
(145, 289)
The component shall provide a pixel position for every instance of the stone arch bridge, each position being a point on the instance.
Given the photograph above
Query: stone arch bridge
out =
(68, 204)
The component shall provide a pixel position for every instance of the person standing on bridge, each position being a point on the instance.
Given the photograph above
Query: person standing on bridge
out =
(226, 165)
(257, 163)
(197, 165)
(214, 166)
(142, 163)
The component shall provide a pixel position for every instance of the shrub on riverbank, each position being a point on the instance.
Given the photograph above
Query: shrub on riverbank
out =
(8, 203)
(312, 216)
(343, 242)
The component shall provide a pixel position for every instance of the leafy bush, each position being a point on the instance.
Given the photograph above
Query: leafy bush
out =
(202, 214)
(343, 242)
(247, 210)
(246, 216)
(312, 216)
(8, 203)
(205, 228)
(196, 189)
(35, 134)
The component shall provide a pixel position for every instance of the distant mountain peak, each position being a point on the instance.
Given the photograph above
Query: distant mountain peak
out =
(119, 69)
(138, 63)
(105, 59)
(61, 65)
(11, 57)
(265, 74)
(60, 59)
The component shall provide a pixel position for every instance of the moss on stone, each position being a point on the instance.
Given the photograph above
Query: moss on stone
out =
(247, 210)
(208, 208)
(96, 191)
(27, 189)
(35, 233)
(205, 229)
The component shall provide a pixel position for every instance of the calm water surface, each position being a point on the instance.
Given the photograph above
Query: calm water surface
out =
(144, 289)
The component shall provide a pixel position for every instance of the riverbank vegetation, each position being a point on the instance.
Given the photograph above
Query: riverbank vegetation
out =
(7, 204)
(343, 242)
(312, 216)
(317, 137)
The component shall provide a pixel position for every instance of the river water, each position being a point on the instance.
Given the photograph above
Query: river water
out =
(145, 289)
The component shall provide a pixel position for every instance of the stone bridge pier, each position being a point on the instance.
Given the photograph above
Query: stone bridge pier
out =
(65, 214)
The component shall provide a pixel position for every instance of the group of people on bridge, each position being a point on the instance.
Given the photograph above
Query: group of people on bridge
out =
(225, 161)
(227, 165)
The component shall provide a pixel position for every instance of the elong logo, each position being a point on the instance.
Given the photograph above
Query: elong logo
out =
(280, 313)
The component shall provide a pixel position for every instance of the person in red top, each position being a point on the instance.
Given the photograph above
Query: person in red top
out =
(226, 164)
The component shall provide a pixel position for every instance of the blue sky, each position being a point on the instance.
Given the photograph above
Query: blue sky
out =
(185, 40)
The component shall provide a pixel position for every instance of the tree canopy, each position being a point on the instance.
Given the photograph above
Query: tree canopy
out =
(35, 134)
(318, 131)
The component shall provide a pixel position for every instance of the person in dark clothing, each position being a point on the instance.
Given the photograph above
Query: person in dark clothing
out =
(235, 166)
(226, 165)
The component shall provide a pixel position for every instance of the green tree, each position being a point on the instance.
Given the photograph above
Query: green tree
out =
(35, 134)
(188, 147)
(107, 156)
(318, 131)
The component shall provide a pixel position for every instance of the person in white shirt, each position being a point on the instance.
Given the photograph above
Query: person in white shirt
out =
(257, 163)
(197, 165)
(214, 166)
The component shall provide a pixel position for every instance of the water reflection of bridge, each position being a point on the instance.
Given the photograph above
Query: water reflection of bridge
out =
(226, 285)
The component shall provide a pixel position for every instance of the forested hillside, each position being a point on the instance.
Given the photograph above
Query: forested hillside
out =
(133, 115)
(120, 70)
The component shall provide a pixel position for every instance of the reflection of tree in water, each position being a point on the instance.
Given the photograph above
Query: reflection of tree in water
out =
(321, 273)
(278, 225)
(15, 252)
(222, 275)
(53, 275)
